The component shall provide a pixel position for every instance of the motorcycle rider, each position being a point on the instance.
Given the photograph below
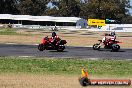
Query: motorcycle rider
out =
(108, 38)
(112, 36)
(54, 38)
(104, 40)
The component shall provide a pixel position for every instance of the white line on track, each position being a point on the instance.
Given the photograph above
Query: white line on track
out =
(35, 44)
(26, 56)
(80, 46)
(19, 44)
(10, 43)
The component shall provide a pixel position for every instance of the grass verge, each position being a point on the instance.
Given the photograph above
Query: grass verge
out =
(11, 31)
(65, 66)
(8, 31)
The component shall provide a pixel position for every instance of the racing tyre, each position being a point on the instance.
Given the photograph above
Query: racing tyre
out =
(40, 47)
(84, 81)
(96, 46)
(115, 47)
(60, 48)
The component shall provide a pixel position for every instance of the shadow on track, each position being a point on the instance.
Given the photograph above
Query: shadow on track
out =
(57, 51)
(111, 51)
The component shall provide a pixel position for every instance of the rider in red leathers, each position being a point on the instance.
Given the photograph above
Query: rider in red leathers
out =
(112, 37)
(104, 40)
(108, 39)
(55, 38)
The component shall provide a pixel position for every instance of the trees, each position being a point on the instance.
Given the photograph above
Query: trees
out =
(69, 8)
(101, 9)
(8, 7)
(32, 7)
(106, 9)
(51, 12)
(65, 8)
(88, 10)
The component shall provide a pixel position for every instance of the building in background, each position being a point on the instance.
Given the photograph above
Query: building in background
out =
(42, 20)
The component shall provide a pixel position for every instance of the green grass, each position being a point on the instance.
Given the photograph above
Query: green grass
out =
(11, 31)
(8, 31)
(65, 66)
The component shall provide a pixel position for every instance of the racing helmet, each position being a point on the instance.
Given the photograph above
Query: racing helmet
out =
(53, 34)
(112, 33)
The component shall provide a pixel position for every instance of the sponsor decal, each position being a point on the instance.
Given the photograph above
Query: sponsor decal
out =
(96, 22)
(86, 81)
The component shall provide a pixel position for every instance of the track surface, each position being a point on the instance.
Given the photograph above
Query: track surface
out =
(76, 52)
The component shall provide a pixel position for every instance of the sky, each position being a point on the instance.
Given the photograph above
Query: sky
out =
(50, 5)
(131, 5)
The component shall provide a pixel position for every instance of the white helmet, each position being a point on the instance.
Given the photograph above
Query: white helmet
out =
(112, 33)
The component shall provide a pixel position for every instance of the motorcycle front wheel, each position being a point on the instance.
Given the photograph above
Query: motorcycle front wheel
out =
(96, 46)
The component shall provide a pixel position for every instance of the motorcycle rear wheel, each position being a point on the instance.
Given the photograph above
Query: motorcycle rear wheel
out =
(60, 48)
(40, 47)
(115, 47)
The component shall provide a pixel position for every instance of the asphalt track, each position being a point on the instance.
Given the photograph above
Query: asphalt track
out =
(69, 52)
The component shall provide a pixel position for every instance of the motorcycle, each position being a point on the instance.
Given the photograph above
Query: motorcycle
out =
(46, 44)
(108, 44)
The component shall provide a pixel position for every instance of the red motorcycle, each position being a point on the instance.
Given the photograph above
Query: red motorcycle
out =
(108, 44)
(46, 44)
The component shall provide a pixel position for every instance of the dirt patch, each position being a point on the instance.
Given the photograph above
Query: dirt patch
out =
(68, 33)
(19, 39)
(79, 38)
(126, 36)
(43, 81)
(38, 81)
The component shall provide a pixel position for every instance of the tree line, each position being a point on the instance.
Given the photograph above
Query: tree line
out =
(100, 9)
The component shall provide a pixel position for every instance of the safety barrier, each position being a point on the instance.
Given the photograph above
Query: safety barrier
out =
(107, 27)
